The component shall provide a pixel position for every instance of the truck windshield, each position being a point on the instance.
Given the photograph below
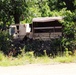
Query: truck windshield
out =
(12, 30)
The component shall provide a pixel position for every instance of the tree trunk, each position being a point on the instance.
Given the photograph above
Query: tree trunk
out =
(16, 18)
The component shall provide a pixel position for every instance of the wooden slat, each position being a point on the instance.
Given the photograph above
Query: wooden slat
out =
(47, 27)
(47, 35)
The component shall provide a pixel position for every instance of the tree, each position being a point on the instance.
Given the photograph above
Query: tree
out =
(4, 13)
(44, 8)
(17, 9)
(70, 4)
(13, 8)
(60, 4)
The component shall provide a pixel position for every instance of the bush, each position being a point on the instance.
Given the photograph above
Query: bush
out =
(4, 41)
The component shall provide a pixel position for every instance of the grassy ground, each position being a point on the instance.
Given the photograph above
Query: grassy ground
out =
(29, 58)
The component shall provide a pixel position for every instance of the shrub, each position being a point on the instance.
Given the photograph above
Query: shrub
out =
(4, 41)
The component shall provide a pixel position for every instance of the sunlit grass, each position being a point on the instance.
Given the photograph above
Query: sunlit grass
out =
(64, 59)
(29, 58)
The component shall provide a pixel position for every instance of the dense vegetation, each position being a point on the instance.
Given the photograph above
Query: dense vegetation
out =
(22, 11)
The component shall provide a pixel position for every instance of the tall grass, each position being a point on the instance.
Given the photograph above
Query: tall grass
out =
(29, 58)
(2, 57)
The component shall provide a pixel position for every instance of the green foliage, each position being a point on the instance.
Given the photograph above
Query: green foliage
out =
(4, 41)
(5, 12)
(69, 31)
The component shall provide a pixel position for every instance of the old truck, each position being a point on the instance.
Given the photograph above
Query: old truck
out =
(37, 36)
(44, 28)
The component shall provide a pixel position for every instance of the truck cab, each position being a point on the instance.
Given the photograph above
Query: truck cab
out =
(19, 31)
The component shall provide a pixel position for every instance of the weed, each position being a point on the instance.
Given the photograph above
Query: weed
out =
(29, 58)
